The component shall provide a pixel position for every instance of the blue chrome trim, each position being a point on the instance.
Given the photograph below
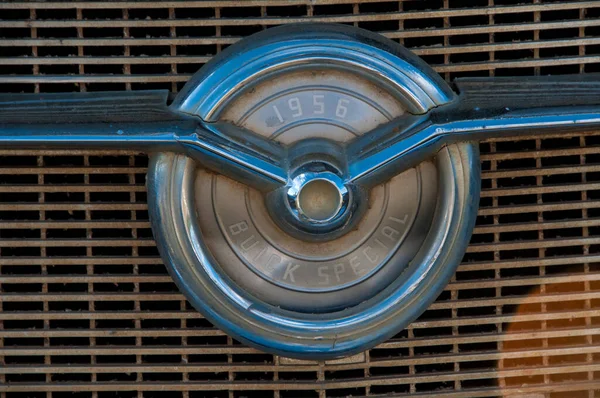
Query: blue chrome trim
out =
(312, 46)
(172, 194)
(312, 336)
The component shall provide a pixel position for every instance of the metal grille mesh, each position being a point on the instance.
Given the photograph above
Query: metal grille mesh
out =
(66, 46)
(87, 306)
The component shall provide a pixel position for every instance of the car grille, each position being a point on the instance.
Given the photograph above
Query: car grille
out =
(87, 305)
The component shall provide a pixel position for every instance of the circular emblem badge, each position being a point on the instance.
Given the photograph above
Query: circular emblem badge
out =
(321, 267)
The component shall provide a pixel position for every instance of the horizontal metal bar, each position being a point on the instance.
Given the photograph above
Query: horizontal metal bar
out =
(96, 296)
(84, 78)
(158, 368)
(545, 171)
(485, 374)
(216, 349)
(94, 315)
(73, 188)
(188, 59)
(114, 60)
(215, 40)
(490, 337)
(499, 319)
(418, 324)
(526, 281)
(532, 244)
(471, 284)
(122, 224)
(68, 152)
(100, 206)
(535, 208)
(468, 48)
(118, 41)
(123, 242)
(494, 355)
(217, 368)
(536, 226)
(494, 28)
(521, 63)
(537, 190)
(532, 298)
(129, 350)
(513, 391)
(72, 170)
(449, 304)
(103, 278)
(363, 17)
(99, 78)
(295, 385)
(59, 333)
(137, 121)
(533, 135)
(168, 4)
(88, 260)
(74, 206)
(547, 153)
(184, 77)
(528, 262)
(438, 340)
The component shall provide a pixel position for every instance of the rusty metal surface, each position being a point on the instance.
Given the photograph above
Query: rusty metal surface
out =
(66, 46)
(87, 305)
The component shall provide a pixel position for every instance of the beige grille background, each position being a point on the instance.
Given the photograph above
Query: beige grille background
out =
(87, 306)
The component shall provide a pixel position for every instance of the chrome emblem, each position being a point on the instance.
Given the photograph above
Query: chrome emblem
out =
(312, 188)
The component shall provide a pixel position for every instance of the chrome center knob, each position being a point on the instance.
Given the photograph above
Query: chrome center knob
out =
(317, 199)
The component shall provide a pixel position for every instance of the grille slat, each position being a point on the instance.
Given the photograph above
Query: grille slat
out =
(76, 243)
(173, 4)
(71, 188)
(568, 387)
(472, 303)
(267, 21)
(482, 320)
(70, 170)
(536, 226)
(73, 261)
(75, 224)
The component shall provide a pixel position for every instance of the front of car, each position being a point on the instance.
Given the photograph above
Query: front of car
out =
(196, 202)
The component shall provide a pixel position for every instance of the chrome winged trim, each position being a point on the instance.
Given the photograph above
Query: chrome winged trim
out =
(484, 108)
(137, 121)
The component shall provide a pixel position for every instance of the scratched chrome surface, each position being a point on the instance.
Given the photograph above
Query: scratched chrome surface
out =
(521, 315)
(346, 107)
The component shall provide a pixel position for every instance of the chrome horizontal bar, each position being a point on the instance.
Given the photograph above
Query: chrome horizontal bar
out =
(486, 108)
(137, 121)
(428, 134)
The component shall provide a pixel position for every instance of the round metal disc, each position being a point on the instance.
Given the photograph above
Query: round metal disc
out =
(271, 288)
